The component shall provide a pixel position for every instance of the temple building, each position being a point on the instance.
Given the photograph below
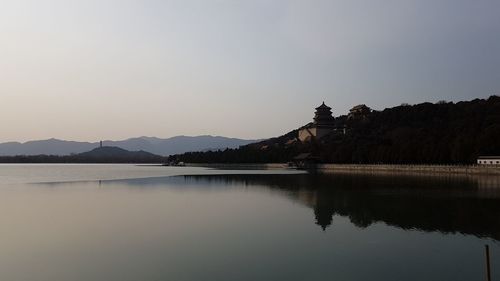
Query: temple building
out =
(359, 112)
(323, 124)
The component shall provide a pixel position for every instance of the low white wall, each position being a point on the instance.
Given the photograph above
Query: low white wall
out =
(449, 169)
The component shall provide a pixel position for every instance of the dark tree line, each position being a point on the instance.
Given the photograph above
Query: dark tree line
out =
(442, 133)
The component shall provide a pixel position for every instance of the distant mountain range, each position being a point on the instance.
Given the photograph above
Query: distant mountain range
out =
(164, 147)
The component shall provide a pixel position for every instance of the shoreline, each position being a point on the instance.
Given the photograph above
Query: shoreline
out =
(365, 168)
(241, 166)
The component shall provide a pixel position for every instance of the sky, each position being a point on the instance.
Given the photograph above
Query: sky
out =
(113, 69)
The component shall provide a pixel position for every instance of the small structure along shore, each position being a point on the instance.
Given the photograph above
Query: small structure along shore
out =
(366, 168)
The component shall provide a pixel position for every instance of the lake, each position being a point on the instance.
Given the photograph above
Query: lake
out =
(126, 222)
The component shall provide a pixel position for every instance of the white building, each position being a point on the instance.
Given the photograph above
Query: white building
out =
(488, 160)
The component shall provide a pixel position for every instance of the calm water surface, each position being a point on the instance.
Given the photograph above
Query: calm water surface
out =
(125, 222)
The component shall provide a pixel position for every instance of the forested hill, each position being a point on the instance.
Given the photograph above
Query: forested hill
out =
(442, 133)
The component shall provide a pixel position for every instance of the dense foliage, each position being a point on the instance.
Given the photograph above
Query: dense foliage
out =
(442, 133)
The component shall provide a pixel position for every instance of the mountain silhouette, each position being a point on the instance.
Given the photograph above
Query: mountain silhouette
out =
(164, 147)
(115, 154)
(104, 154)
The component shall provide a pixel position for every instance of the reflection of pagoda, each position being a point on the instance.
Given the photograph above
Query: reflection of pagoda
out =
(324, 216)
(371, 198)
(323, 124)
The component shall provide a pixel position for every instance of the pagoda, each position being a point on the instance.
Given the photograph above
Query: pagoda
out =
(322, 125)
(323, 116)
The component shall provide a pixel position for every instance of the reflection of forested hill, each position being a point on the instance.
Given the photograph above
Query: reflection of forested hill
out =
(449, 205)
(422, 134)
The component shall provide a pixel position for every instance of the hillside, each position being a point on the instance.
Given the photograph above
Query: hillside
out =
(116, 154)
(174, 145)
(442, 133)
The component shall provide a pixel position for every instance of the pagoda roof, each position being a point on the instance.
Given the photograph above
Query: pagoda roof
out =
(323, 106)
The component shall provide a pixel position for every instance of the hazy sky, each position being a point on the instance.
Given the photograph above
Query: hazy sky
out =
(91, 70)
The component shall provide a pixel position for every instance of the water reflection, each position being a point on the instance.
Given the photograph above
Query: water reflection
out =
(251, 227)
(446, 204)
(443, 204)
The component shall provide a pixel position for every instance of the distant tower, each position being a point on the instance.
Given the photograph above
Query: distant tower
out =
(100, 145)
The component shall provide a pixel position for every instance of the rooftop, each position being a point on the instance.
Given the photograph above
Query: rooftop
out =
(323, 106)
